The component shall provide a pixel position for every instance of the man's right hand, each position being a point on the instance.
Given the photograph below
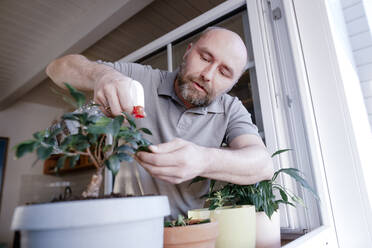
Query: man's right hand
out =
(114, 91)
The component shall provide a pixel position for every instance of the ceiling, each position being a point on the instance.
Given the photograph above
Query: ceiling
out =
(33, 33)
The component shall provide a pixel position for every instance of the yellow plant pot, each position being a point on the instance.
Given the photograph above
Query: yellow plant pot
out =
(237, 225)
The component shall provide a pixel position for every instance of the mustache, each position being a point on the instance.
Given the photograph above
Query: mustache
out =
(204, 86)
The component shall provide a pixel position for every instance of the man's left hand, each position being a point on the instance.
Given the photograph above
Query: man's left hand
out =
(175, 161)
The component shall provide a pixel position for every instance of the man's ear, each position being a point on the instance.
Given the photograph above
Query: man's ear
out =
(188, 49)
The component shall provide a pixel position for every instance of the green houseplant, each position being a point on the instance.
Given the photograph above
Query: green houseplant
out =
(112, 222)
(90, 139)
(262, 196)
(190, 233)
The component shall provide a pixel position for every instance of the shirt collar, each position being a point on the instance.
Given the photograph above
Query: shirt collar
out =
(166, 88)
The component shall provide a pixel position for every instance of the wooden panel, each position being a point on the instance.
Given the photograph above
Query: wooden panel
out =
(154, 21)
(50, 165)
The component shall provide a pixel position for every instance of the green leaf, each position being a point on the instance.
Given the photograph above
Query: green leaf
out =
(116, 124)
(283, 194)
(70, 116)
(106, 148)
(145, 130)
(44, 152)
(130, 120)
(296, 174)
(78, 96)
(125, 148)
(61, 162)
(197, 179)
(39, 135)
(67, 99)
(81, 117)
(25, 147)
(113, 164)
(73, 160)
(124, 157)
(143, 149)
(55, 132)
(279, 152)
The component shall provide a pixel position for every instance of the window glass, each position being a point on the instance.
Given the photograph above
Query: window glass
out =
(157, 60)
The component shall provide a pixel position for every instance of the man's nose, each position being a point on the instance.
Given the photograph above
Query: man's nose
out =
(208, 72)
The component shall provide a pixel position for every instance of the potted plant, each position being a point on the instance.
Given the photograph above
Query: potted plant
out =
(262, 196)
(190, 233)
(114, 222)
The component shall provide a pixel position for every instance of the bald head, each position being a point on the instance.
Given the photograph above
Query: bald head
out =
(232, 42)
(211, 66)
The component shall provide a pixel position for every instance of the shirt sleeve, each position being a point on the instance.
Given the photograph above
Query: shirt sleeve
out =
(240, 122)
(132, 70)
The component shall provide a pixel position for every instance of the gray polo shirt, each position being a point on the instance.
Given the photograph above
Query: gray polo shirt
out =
(223, 120)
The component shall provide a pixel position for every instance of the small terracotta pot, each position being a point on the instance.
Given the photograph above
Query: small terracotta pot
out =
(193, 236)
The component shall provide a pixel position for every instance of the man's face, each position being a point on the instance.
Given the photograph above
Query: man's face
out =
(210, 68)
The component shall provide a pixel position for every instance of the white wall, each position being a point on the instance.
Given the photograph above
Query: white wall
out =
(358, 18)
(18, 122)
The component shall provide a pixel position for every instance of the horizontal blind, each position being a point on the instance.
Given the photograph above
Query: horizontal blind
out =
(359, 27)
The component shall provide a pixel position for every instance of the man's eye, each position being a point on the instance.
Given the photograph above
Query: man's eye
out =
(204, 58)
(223, 73)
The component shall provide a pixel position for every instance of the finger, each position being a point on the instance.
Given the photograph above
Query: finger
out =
(124, 101)
(113, 102)
(101, 100)
(159, 171)
(160, 160)
(171, 146)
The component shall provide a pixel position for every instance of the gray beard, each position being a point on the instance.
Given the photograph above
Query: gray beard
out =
(192, 95)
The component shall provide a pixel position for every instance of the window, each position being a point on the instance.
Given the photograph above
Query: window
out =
(279, 89)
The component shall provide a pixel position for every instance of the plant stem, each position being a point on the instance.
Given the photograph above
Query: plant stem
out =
(94, 160)
(95, 184)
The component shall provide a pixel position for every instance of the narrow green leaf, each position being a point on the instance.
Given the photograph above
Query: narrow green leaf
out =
(145, 130)
(295, 174)
(283, 194)
(130, 120)
(78, 96)
(197, 179)
(279, 152)
(67, 99)
(69, 116)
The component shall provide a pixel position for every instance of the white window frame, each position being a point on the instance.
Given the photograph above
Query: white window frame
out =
(338, 227)
(339, 152)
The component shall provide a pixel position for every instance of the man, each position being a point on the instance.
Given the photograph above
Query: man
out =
(188, 112)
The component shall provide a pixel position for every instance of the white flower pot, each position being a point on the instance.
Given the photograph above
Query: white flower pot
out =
(133, 222)
(267, 231)
(237, 225)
